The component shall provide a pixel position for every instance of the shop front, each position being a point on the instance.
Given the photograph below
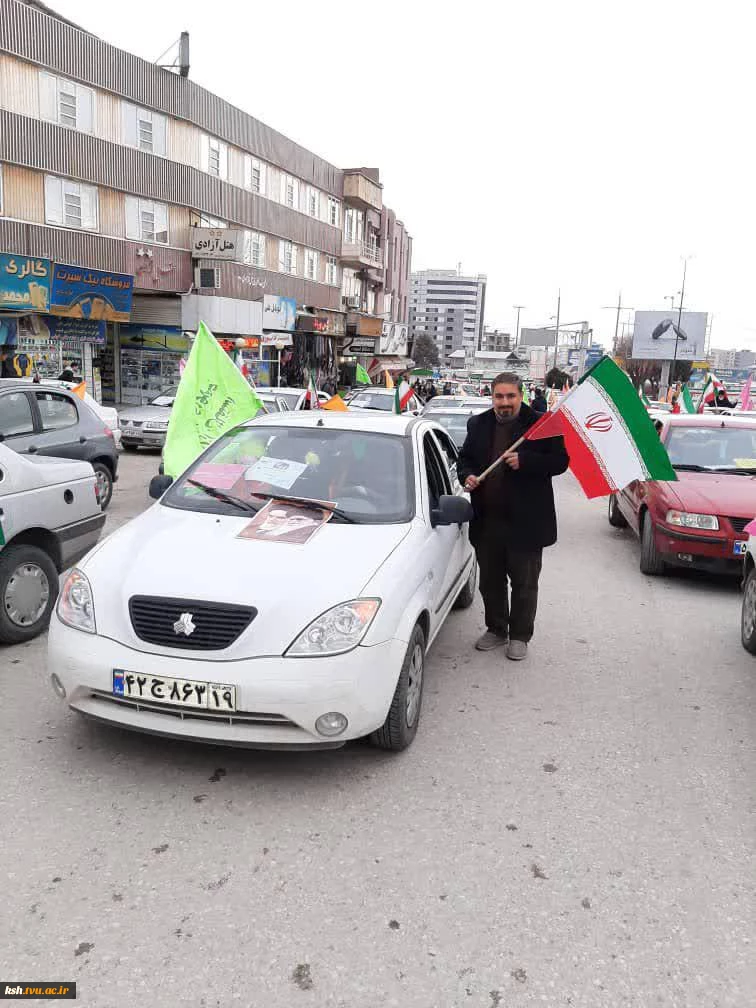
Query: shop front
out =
(358, 346)
(149, 362)
(314, 349)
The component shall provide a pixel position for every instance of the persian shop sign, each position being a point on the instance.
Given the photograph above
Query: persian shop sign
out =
(215, 243)
(24, 282)
(90, 294)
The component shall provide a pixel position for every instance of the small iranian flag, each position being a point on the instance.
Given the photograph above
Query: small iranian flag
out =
(685, 400)
(711, 388)
(312, 393)
(402, 395)
(608, 434)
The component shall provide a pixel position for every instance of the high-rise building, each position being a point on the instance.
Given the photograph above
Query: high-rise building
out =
(449, 308)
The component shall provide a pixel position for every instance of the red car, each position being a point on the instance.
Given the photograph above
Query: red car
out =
(699, 520)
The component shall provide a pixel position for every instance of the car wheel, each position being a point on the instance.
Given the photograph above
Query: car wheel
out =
(400, 726)
(748, 619)
(467, 596)
(616, 518)
(28, 591)
(131, 447)
(104, 483)
(650, 558)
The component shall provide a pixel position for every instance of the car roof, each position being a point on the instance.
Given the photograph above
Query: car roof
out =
(51, 384)
(452, 410)
(377, 390)
(711, 420)
(331, 419)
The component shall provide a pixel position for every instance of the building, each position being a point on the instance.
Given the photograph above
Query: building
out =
(496, 341)
(732, 360)
(135, 204)
(449, 308)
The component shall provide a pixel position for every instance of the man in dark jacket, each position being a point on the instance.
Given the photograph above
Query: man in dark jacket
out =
(514, 514)
(539, 403)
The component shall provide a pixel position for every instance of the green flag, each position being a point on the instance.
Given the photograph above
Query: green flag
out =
(361, 376)
(525, 396)
(213, 396)
(686, 400)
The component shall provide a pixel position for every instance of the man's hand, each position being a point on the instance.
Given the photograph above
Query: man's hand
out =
(472, 483)
(512, 459)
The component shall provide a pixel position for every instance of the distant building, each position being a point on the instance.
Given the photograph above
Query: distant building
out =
(449, 308)
(495, 340)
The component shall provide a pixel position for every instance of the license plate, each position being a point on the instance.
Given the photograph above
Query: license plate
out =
(152, 440)
(740, 548)
(182, 692)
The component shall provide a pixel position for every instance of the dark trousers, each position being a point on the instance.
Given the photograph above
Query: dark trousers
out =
(502, 565)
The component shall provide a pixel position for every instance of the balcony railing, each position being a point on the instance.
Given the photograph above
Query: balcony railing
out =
(362, 254)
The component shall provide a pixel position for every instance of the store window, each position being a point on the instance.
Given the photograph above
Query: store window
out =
(146, 220)
(63, 102)
(71, 204)
(144, 129)
(57, 411)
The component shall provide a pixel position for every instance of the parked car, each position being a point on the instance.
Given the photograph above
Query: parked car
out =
(748, 610)
(188, 641)
(381, 399)
(293, 397)
(108, 414)
(454, 420)
(274, 403)
(699, 520)
(50, 516)
(146, 426)
(49, 420)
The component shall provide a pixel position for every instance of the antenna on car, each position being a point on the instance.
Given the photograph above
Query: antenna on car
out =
(320, 422)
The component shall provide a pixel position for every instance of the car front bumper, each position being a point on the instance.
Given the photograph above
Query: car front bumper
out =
(278, 699)
(714, 552)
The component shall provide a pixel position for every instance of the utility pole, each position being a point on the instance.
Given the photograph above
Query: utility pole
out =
(679, 320)
(519, 308)
(556, 337)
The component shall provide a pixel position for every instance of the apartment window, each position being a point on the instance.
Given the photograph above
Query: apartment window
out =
(311, 264)
(146, 220)
(313, 202)
(143, 129)
(287, 258)
(211, 222)
(71, 204)
(254, 175)
(334, 211)
(332, 271)
(254, 249)
(353, 226)
(65, 103)
(214, 157)
(290, 191)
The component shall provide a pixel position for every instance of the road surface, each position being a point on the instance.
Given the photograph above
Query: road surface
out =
(575, 829)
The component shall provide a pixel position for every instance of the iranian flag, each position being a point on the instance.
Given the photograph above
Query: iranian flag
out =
(711, 388)
(402, 395)
(312, 393)
(608, 434)
(685, 400)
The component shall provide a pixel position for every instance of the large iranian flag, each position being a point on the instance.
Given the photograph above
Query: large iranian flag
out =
(710, 391)
(609, 436)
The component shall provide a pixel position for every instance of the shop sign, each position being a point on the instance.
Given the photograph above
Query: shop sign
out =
(279, 313)
(312, 324)
(394, 339)
(277, 339)
(358, 345)
(215, 243)
(154, 337)
(90, 294)
(76, 330)
(24, 282)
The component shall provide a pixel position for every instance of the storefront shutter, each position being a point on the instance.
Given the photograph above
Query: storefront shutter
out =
(156, 310)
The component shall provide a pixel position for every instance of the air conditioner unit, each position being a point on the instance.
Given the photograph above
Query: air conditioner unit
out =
(209, 277)
(353, 302)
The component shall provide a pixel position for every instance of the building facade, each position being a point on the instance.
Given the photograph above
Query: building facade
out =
(116, 174)
(496, 341)
(448, 307)
(732, 360)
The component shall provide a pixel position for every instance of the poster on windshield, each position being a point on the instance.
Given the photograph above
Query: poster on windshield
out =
(282, 522)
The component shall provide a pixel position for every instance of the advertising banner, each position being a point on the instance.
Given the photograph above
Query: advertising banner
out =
(24, 282)
(394, 339)
(279, 313)
(90, 294)
(154, 337)
(656, 332)
(75, 330)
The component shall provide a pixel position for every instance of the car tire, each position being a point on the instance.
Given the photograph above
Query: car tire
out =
(650, 559)
(19, 562)
(131, 447)
(400, 726)
(616, 518)
(104, 482)
(467, 596)
(748, 616)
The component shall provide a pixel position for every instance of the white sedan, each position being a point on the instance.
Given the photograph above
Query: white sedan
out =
(283, 592)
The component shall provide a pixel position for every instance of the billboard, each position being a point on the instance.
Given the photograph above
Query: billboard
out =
(279, 313)
(656, 332)
(537, 337)
(24, 282)
(393, 339)
(90, 294)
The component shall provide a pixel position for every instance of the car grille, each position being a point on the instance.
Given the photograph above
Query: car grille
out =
(217, 625)
(134, 423)
(195, 713)
(739, 524)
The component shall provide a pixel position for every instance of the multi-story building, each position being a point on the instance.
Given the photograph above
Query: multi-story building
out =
(449, 308)
(496, 341)
(732, 360)
(139, 204)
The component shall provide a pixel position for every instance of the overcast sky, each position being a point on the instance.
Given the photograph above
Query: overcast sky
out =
(583, 145)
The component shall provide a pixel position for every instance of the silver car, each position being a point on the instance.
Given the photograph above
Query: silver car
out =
(146, 426)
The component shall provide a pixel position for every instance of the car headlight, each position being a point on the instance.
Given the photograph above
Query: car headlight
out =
(76, 604)
(338, 630)
(684, 519)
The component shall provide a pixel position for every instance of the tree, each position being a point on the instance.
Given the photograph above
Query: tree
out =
(648, 370)
(425, 351)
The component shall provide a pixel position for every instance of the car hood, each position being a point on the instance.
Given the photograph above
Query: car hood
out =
(715, 493)
(143, 413)
(189, 555)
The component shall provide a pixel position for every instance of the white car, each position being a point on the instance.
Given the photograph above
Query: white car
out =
(293, 397)
(294, 626)
(381, 399)
(748, 611)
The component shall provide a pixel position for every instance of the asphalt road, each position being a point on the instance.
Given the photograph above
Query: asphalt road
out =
(576, 829)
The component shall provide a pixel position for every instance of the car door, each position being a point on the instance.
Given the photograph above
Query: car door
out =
(451, 455)
(19, 422)
(60, 435)
(443, 545)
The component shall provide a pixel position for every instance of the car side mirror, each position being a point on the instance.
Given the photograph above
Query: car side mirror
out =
(451, 510)
(158, 486)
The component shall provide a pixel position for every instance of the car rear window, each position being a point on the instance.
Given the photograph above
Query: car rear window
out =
(57, 411)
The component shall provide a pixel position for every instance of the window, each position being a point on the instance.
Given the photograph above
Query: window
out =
(65, 103)
(211, 222)
(146, 220)
(15, 415)
(311, 264)
(254, 174)
(437, 473)
(143, 129)
(214, 157)
(254, 249)
(287, 258)
(313, 202)
(71, 204)
(290, 191)
(334, 208)
(57, 411)
(332, 271)
(353, 226)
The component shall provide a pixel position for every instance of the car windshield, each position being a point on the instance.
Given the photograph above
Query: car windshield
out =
(713, 448)
(368, 475)
(373, 400)
(165, 398)
(455, 424)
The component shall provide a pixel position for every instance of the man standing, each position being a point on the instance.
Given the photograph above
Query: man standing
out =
(514, 514)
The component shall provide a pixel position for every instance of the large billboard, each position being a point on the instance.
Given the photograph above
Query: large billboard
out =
(656, 332)
(537, 337)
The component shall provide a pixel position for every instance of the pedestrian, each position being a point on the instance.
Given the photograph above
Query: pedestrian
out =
(486, 391)
(675, 405)
(538, 402)
(6, 362)
(447, 390)
(513, 512)
(432, 391)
